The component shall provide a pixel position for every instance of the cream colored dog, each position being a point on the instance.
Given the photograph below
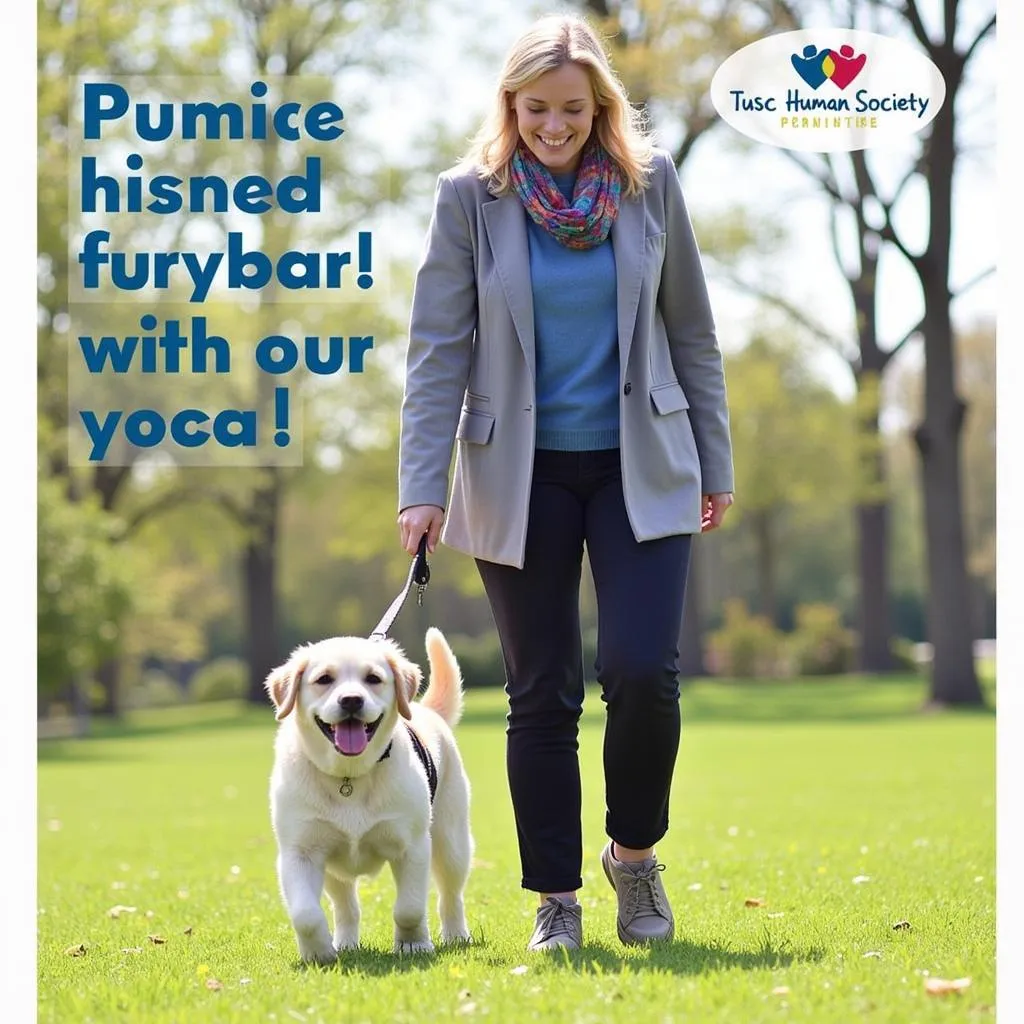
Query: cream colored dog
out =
(355, 757)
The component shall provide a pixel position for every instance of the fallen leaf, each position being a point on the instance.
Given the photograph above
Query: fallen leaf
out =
(78, 950)
(753, 902)
(119, 910)
(780, 990)
(943, 987)
(521, 969)
(187, 931)
(132, 949)
(214, 985)
(861, 878)
(901, 926)
(157, 940)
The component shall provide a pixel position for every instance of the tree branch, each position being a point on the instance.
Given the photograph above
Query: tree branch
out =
(796, 314)
(888, 234)
(888, 355)
(172, 499)
(977, 279)
(990, 24)
(827, 182)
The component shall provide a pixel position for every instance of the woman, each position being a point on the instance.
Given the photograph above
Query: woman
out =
(561, 332)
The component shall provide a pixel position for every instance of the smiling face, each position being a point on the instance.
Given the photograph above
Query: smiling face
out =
(346, 694)
(555, 114)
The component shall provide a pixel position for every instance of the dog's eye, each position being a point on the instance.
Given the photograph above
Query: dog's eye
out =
(373, 678)
(324, 679)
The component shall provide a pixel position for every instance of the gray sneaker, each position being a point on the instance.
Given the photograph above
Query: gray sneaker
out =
(558, 924)
(644, 914)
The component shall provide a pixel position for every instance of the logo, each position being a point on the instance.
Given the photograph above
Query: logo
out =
(862, 90)
(817, 66)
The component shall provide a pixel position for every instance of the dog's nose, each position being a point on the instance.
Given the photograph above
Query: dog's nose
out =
(351, 704)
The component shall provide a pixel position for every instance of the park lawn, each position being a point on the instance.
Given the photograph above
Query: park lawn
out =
(832, 803)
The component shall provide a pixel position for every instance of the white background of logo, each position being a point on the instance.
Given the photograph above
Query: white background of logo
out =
(765, 68)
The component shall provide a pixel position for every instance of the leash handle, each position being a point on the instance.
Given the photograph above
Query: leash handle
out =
(419, 573)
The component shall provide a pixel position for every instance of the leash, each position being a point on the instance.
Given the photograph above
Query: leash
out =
(419, 573)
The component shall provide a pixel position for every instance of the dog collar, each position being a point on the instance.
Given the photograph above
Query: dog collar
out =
(345, 789)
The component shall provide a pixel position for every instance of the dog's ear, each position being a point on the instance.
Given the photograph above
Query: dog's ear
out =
(408, 677)
(283, 684)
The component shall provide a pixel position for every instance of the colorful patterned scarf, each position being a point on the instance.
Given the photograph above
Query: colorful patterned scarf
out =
(585, 222)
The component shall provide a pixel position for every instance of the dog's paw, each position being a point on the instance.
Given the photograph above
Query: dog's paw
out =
(319, 957)
(341, 943)
(404, 946)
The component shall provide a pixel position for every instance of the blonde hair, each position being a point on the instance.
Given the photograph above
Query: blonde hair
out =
(549, 43)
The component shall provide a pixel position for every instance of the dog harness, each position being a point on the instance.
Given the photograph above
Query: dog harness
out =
(421, 752)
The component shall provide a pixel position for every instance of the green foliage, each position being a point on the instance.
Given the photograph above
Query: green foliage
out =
(83, 587)
(480, 659)
(820, 644)
(903, 658)
(154, 689)
(224, 678)
(746, 645)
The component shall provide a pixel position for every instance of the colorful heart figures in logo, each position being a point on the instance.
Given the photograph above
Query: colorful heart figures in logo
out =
(815, 66)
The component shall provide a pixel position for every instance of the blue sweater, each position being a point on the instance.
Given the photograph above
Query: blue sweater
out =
(576, 329)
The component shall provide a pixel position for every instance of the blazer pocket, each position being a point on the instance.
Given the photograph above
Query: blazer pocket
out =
(668, 398)
(475, 427)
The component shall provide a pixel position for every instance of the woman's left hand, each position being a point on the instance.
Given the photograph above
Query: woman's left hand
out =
(712, 510)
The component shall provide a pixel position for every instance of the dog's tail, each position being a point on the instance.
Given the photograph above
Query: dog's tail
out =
(444, 691)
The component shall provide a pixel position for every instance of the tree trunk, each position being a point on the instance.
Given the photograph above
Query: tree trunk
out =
(108, 676)
(691, 651)
(954, 680)
(872, 513)
(874, 654)
(260, 586)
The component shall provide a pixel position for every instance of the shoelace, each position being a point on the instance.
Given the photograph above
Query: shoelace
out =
(643, 898)
(555, 919)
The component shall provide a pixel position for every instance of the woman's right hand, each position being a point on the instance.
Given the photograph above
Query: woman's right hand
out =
(417, 520)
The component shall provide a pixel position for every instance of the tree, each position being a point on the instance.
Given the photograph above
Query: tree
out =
(938, 435)
(792, 438)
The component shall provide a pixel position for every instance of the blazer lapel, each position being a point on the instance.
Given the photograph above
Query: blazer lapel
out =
(628, 245)
(505, 222)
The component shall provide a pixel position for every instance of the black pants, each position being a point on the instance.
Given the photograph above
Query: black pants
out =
(576, 498)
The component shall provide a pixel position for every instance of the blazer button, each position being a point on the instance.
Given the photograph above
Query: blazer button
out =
(629, 387)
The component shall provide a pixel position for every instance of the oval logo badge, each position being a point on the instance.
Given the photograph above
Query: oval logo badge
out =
(828, 90)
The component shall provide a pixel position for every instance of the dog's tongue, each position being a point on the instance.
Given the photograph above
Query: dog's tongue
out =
(350, 736)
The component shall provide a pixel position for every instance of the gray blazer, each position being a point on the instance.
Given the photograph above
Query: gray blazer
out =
(471, 370)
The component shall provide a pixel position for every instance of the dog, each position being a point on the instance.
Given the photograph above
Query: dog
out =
(357, 761)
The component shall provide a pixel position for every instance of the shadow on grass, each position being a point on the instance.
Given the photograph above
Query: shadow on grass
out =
(680, 957)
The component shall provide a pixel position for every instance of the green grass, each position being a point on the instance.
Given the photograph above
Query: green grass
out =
(783, 792)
